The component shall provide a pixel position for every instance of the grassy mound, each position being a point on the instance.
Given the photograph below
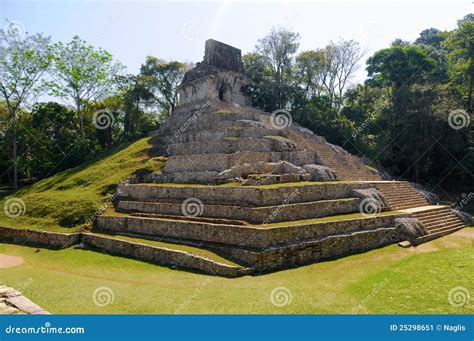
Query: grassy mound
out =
(67, 200)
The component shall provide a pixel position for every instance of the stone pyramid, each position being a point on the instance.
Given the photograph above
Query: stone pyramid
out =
(247, 192)
(214, 136)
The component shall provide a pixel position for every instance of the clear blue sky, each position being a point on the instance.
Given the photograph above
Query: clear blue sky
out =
(131, 30)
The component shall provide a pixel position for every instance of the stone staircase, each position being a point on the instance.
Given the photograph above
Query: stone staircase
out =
(346, 166)
(400, 195)
(438, 221)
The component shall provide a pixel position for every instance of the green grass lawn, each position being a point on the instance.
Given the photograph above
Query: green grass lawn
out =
(69, 198)
(387, 280)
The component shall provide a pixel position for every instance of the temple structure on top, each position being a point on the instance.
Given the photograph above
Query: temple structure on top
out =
(218, 76)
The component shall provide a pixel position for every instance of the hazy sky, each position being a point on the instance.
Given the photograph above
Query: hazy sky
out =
(131, 30)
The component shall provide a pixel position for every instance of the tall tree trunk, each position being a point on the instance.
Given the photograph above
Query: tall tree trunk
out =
(15, 157)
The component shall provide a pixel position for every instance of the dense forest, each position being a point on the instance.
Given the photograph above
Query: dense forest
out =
(64, 103)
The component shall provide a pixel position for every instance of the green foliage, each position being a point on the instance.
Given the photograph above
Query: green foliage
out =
(23, 62)
(71, 197)
(82, 74)
(398, 65)
(461, 58)
(161, 80)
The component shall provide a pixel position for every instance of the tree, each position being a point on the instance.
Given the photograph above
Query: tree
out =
(430, 37)
(261, 81)
(398, 66)
(162, 80)
(51, 138)
(278, 48)
(461, 57)
(340, 62)
(309, 72)
(23, 62)
(82, 74)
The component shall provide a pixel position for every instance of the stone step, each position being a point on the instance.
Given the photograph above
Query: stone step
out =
(433, 212)
(404, 192)
(232, 145)
(257, 215)
(188, 120)
(438, 220)
(251, 236)
(432, 236)
(195, 177)
(258, 196)
(443, 225)
(165, 253)
(445, 228)
(176, 128)
(401, 195)
(404, 200)
(211, 135)
(220, 162)
(437, 216)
